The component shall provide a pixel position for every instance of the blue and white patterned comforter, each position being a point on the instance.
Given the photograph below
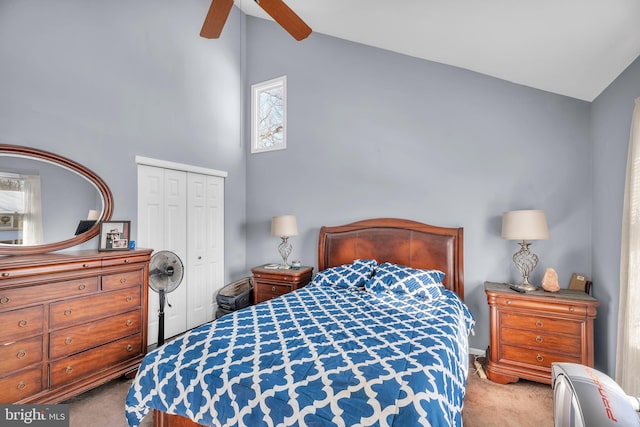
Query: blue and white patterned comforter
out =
(319, 356)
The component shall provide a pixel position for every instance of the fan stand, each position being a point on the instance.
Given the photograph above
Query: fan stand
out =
(161, 295)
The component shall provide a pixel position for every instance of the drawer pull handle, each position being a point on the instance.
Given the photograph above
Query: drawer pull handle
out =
(572, 309)
(123, 280)
(539, 339)
(129, 347)
(21, 354)
(85, 265)
(68, 370)
(273, 289)
(4, 300)
(22, 323)
(508, 302)
(129, 298)
(129, 322)
(22, 385)
(82, 287)
(6, 274)
(67, 312)
(68, 340)
(539, 323)
(539, 358)
(126, 261)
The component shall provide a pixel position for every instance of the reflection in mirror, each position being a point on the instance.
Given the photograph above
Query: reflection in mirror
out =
(41, 202)
(46, 200)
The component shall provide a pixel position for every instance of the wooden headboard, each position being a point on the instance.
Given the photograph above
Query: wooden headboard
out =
(399, 241)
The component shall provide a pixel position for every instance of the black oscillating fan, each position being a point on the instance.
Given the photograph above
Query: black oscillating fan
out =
(165, 274)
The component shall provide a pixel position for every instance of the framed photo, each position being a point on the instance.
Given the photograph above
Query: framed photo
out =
(6, 221)
(114, 235)
(269, 115)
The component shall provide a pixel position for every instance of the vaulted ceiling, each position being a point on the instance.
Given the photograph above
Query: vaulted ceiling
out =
(569, 47)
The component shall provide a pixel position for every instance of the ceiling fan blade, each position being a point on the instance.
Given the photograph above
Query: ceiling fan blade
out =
(286, 17)
(216, 17)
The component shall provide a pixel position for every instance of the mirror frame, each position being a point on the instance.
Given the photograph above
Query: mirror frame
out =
(101, 186)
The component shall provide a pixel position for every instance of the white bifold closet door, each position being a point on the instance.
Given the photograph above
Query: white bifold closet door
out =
(183, 212)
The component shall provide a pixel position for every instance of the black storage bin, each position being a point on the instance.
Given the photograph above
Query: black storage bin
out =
(234, 296)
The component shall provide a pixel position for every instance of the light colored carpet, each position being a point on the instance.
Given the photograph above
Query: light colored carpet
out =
(487, 404)
(521, 404)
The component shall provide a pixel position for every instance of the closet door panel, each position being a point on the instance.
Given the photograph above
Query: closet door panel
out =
(205, 257)
(162, 208)
(175, 240)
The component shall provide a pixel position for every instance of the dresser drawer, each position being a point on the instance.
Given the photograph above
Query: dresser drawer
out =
(92, 361)
(21, 323)
(105, 304)
(86, 336)
(20, 385)
(540, 358)
(125, 279)
(269, 291)
(18, 297)
(20, 354)
(542, 340)
(48, 268)
(540, 323)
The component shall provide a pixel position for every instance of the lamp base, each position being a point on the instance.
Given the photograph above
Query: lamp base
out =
(284, 267)
(526, 287)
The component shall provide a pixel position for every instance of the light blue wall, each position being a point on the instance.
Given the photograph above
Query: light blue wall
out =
(610, 126)
(371, 134)
(102, 82)
(376, 134)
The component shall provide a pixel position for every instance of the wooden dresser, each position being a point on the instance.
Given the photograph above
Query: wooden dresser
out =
(531, 330)
(70, 322)
(271, 283)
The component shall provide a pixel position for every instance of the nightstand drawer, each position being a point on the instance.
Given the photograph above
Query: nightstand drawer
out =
(539, 323)
(549, 306)
(534, 357)
(541, 341)
(271, 290)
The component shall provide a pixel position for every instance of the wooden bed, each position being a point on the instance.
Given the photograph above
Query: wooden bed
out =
(399, 241)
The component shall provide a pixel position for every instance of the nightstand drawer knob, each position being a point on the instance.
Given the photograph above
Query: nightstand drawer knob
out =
(508, 301)
(539, 323)
(572, 309)
(539, 358)
(539, 339)
(273, 289)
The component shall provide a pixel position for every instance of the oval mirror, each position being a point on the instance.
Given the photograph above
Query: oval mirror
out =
(48, 202)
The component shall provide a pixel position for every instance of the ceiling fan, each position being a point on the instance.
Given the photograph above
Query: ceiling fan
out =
(277, 9)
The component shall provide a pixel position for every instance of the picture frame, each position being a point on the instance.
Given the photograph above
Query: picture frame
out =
(6, 221)
(114, 236)
(269, 115)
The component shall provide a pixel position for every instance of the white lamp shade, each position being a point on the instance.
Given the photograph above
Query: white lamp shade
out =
(525, 225)
(284, 226)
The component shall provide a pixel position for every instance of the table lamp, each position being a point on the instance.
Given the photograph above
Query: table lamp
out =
(284, 226)
(525, 225)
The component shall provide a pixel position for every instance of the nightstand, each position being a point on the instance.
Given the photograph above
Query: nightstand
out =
(271, 283)
(531, 330)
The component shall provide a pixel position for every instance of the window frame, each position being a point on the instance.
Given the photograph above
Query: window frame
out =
(257, 114)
